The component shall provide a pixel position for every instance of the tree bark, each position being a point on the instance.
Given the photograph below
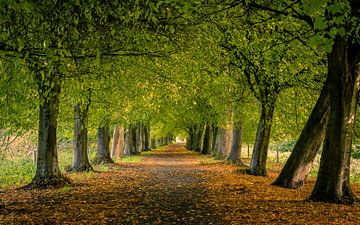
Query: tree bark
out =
(142, 137)
(147, 138)
(195, 137)
(228, 140)
(115, 147)
(128, 140)
(220, 144)
(332, 183)
(259, 156)
(215, 130)
(153, 143)
(190, 143)
(207, 140)
(134, 144)
(103, 142)
(81, 160)
(199, 138)
(139, 136)
(47, 169)
(236, 144)
(121, 142)
(298, 165)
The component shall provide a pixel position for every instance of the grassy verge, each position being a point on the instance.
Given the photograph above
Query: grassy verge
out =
(16, 172)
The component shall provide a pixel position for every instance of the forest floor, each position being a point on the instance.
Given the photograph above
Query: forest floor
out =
(172, 186)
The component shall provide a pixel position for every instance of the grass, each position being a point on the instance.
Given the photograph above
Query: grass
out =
(16, 172)
(20, 171)
(131, 159)
(207, 159)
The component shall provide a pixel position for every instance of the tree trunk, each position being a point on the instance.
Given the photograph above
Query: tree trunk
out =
(103, 142)
(128, 140)
(139, 141)
(47, 169)
(199, 138)
(220, 145)
(81, 160)
(195, 137)
(134, 144)
(236, 144)
(121, 143)
(215, 130)
(332, 184)
(190, 143)
(207, 140)
(259, 156)
(147, 138)
(115, 151)
(228, 140)
(298, 165)
(143, 137)
(153, 143)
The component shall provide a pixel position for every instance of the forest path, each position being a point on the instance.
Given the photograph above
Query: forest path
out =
(172, 186)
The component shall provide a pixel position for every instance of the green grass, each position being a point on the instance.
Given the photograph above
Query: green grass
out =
(16, 172)
(207, 159)
(132, 159)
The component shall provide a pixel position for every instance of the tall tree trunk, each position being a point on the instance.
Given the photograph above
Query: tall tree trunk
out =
(207, 140)
(128, 140)
(199, 138)
(47, 169)
(143, 137)
(190, 142)
(220, 145)
(153, 143)
(121, 143)
(332, 184)
(236, 144)
(115, 151)
(81, 160)
(195, 137)
(215, 130)
(147, 138)
(133, 146)
(103, 142)
(259, 156)
(228, 140)
(138, 137)
(298, 165)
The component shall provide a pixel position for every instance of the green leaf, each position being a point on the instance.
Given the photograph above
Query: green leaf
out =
(320, 23)
(172, 29)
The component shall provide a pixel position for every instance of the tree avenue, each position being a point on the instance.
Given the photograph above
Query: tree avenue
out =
(133, 75)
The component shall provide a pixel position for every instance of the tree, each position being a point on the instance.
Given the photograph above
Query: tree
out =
(236, 145)
(335, 29)
(298, 165)
(81, 161)
(118, 142)
(103, 144)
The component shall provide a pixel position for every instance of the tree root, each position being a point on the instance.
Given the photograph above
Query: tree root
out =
(47, 182)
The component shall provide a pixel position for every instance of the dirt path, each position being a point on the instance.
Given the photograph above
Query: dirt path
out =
(172, 186)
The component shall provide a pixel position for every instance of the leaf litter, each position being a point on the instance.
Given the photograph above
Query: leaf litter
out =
(172, 186)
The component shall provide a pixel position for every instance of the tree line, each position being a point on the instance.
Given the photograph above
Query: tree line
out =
(184, 65)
